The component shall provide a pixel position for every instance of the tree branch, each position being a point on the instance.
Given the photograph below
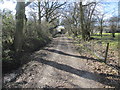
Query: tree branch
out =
(27, 4)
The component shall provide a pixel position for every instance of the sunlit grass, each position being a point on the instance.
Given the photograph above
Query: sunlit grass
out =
(70, 37)
(107, 38)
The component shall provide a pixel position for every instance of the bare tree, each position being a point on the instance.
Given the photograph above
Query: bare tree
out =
(81, 16)
(20, 13)
(50, 10)
(101, 22)
(20, 17)
(82, 21)
(39, 12)
(113, 24)
(86, 13)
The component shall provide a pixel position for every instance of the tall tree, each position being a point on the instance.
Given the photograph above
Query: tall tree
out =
(101, 22)
(113, 24)
(51, 10)
(81, 21)
(86, 13)
(20, 16)
(20, 13)
(39, 12)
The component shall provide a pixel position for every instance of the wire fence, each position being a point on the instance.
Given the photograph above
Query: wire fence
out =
(98, 49)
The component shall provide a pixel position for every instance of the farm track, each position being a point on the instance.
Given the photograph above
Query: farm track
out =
(58, 65)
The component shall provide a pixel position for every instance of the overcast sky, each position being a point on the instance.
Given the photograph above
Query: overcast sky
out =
(110, 7)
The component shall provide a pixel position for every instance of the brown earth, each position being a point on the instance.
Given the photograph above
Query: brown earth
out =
(59, 65)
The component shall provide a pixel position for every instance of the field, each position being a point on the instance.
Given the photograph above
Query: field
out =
(107, 38)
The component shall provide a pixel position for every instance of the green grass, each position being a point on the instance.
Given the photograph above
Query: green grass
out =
(107, 38)
(70, 37)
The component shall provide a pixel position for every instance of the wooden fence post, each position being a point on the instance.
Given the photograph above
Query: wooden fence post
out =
(106, 52)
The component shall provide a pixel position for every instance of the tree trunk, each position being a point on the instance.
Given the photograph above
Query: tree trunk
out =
(39, 12)
(20, 13)
(87, 33)
(113, 31)
(101, 28)
(113, 34)
(81, 21)
(39, 21)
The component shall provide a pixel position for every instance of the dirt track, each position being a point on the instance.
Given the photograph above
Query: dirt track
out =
(58, 65)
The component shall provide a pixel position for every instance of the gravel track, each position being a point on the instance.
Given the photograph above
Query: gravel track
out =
(58, 65)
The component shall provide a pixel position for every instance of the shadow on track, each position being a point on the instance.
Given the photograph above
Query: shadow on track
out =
(63, 53)
(81, 73)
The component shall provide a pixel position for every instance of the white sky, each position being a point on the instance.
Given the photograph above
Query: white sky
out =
(109, 6)
(8, 4)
